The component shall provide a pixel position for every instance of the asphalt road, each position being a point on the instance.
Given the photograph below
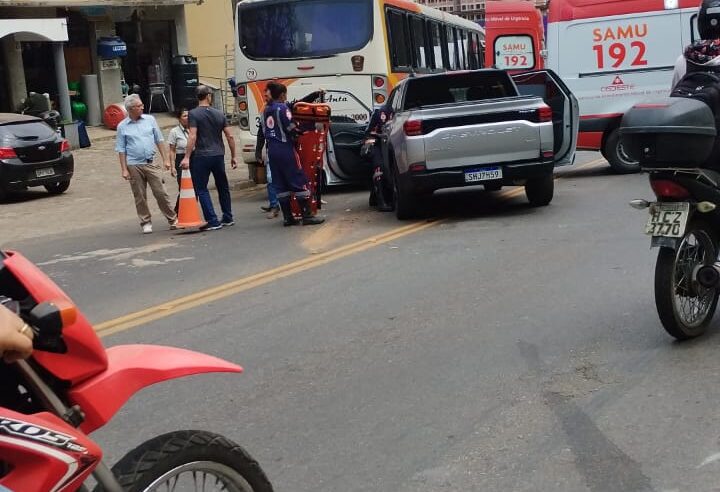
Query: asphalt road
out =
(499, 347)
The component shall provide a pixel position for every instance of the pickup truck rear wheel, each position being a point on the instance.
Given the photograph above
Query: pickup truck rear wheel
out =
(404, 201)
(540, 191)
(619, 161)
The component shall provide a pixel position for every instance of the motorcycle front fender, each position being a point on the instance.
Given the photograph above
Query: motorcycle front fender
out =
(132, 368)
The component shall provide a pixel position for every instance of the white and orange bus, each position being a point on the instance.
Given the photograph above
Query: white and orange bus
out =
(612, 54)
(356, 50)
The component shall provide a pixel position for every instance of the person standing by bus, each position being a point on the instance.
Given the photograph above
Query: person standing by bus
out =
(372, 148)
(288, 175)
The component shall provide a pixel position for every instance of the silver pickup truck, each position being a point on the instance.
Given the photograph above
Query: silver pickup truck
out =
(479, 127)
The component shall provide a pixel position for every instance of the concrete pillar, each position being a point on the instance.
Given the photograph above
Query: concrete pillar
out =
(62, 82)
(182, 44)
(109, 72)
(17, 89)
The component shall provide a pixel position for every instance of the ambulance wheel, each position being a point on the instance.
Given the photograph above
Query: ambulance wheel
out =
(615, 154)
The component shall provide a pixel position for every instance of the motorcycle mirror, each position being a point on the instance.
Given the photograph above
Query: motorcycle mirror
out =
(48, 320)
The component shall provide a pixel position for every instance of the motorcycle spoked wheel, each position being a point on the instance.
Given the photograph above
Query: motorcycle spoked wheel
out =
(685, 307)
(185, 461)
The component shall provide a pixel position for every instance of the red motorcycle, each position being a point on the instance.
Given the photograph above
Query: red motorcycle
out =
(72, 386)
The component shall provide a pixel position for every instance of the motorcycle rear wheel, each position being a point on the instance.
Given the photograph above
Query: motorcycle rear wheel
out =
(185, 460)
(685, 307)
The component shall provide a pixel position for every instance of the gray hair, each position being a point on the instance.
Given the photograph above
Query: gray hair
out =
(131, 100)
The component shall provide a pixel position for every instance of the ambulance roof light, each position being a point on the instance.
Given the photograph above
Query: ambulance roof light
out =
(671, 4)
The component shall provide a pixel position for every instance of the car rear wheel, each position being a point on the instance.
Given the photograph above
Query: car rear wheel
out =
(57, 188)
(540, 191)
(404, 201)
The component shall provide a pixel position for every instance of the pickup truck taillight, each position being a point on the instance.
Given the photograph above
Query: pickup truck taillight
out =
(413, 128)
(7, 153)
(544, 114)
(65, 146)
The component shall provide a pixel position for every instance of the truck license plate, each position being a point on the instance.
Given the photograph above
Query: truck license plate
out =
(668, 219)
(41, 173)
(483, 174)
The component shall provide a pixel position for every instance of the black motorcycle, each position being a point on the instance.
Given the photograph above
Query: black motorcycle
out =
(677, 145)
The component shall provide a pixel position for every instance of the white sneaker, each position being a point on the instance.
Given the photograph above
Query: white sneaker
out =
(147, 228)
(174, 225)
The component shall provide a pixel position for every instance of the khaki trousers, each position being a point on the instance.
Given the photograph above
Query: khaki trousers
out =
(142, 175)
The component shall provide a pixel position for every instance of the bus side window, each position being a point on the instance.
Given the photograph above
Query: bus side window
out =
(444, 46)
(398, 40)
(421, 60)
(464, 63)
(436, 43)
(452, 48)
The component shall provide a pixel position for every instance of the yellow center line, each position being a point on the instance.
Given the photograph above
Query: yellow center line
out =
(243, 284)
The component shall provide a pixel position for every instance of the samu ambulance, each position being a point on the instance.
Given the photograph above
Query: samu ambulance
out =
(612, 54)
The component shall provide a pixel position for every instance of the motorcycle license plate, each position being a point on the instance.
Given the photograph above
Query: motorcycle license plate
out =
(668, 219)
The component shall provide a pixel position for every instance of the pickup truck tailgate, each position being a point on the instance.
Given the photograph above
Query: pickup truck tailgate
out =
(483, 133)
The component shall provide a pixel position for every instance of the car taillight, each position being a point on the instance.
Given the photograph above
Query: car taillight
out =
(242, 106)
(544, 114)
(65, 146)
(379, 98)
(664, 188)
(241, 90)
(7, 153)
(413, 128)
(379, 82)
(417, 167)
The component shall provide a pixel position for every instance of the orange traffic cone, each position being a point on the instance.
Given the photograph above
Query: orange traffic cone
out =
(188, 210)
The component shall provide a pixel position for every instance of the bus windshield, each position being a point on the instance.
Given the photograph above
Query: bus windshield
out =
(304, 29)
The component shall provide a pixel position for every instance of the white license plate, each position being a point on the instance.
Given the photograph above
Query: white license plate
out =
(668, 219)
(41, 173)
(483, 174)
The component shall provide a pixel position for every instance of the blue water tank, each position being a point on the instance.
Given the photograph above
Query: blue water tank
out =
(111, 47)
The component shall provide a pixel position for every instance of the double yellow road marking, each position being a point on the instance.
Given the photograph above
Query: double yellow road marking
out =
(228, 289)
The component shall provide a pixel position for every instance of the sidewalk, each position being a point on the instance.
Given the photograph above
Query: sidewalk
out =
(97, 193)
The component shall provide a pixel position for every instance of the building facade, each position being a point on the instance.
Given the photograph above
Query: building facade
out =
(48, 45)
(473, 10)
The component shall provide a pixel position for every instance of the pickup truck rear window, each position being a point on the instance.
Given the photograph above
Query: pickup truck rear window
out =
(458, 88)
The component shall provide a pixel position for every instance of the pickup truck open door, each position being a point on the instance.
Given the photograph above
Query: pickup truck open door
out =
(566, 114)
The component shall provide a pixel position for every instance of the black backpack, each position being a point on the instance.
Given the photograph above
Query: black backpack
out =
(701, 86)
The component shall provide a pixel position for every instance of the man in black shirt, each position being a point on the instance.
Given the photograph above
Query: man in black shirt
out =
(205, 144)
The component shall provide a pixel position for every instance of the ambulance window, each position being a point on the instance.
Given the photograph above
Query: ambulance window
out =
(436, 44)
(420, 51)
(398, 40)
(514, 53)
(694, 33)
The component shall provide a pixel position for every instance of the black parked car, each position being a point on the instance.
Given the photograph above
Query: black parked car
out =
(32, 154)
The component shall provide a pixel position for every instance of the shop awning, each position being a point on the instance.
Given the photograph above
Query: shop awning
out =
(35, 29)
(94, 3)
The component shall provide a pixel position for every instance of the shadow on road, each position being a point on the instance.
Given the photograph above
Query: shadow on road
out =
(26, 196)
